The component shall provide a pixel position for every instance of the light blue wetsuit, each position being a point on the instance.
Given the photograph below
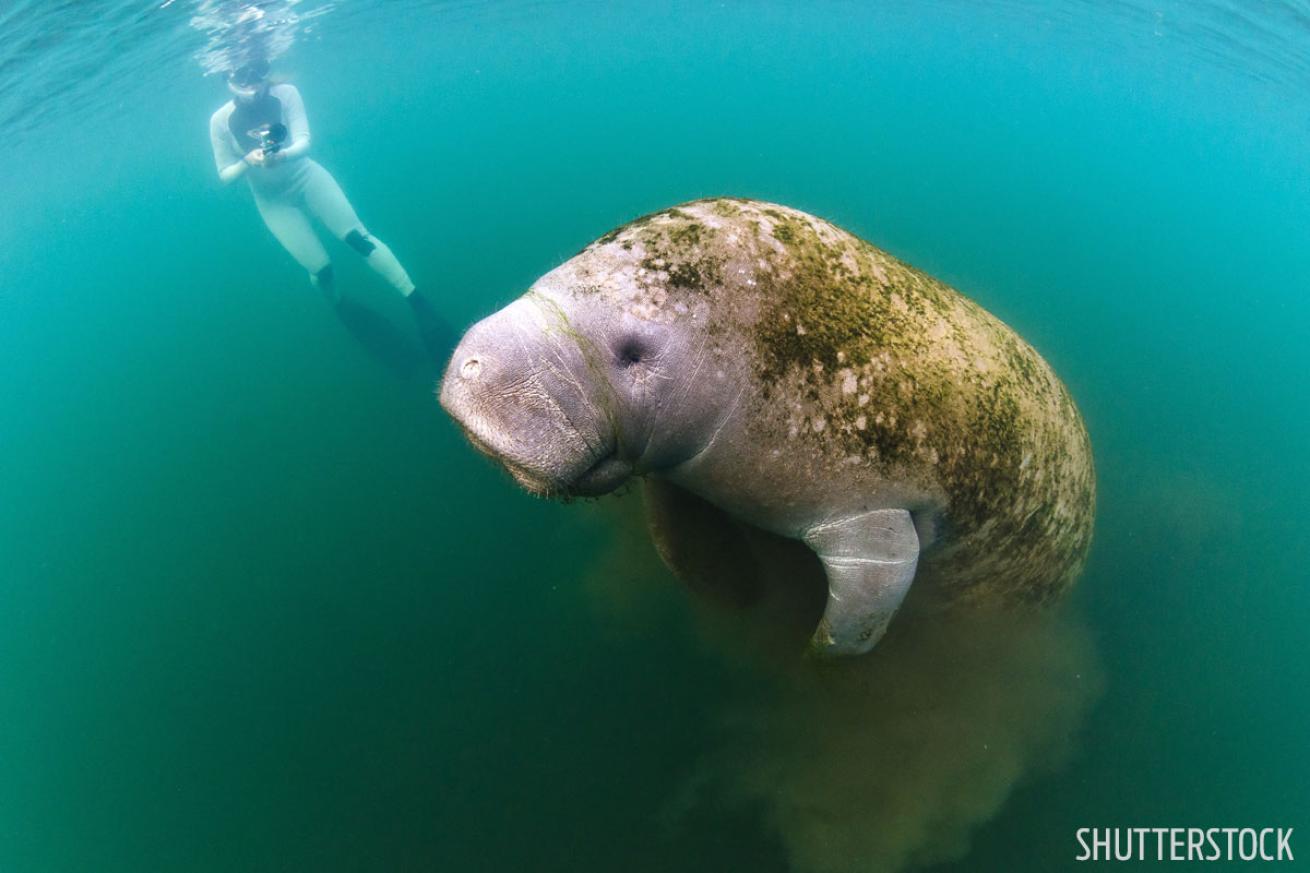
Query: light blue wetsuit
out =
(290, 187)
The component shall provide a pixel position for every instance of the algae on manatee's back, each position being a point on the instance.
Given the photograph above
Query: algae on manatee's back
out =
(875, 364)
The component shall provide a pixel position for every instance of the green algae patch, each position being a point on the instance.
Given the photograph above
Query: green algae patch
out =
(683, 249)
(816, 309)
(900, 370)
(603, 394)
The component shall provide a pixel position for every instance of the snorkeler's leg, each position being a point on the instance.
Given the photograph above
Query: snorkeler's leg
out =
(291, 227)
(328, 202)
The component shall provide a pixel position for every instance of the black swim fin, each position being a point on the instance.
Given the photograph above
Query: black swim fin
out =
(438, 336)
(380, 339)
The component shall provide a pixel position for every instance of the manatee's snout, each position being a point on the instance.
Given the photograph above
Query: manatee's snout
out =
(467, 396)
(524, 396)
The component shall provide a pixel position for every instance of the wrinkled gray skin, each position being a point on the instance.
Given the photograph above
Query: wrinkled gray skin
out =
(573, 397)
(654, 353)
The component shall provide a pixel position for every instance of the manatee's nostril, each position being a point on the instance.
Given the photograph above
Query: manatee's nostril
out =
(471, 368)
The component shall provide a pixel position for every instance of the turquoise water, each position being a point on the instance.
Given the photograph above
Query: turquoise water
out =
(247, 569)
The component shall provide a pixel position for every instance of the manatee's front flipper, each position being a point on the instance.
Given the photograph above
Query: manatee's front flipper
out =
(870, 560)
(701, 545)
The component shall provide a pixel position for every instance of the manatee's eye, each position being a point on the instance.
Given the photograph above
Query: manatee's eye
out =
(630, 351)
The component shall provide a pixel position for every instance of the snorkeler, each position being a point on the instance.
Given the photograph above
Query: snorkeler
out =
(262, 134)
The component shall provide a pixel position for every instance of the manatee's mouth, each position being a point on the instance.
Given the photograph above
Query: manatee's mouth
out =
(530, 480)
(601, 477)
(479, 444)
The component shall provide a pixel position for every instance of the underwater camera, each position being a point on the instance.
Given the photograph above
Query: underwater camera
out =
(270, 136)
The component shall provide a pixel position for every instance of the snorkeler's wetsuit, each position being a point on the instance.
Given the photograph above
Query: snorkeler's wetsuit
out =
(292, 189)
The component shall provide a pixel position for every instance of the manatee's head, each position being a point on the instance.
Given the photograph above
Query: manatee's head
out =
(624, 360)
(563, 389)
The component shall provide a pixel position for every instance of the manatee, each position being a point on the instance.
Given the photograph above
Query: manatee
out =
(769, 375)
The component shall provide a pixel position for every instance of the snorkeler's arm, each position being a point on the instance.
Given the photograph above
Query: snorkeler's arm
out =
(293, 112)
(233, 171)
(230, 165)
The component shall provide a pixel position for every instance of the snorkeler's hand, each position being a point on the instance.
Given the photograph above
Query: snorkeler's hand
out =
(255, 157)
